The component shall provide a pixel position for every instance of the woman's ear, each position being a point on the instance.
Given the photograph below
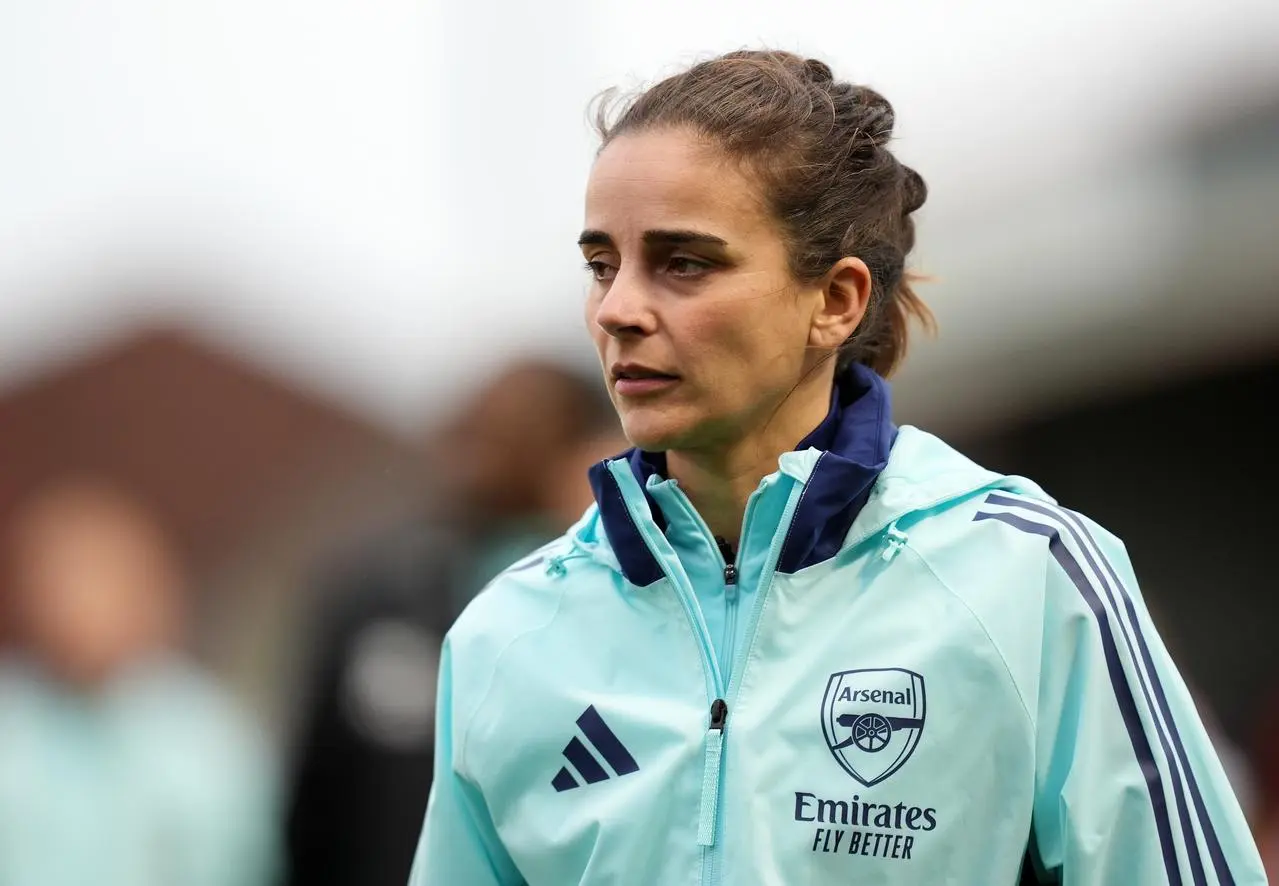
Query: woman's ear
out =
(845, 295)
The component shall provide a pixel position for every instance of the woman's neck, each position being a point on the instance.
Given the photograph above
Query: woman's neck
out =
(719, 481)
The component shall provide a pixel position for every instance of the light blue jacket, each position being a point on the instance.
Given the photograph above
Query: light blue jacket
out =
(916, 672)
(157, 780)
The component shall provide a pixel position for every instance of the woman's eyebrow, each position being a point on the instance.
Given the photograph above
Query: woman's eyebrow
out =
(592, 237)
(682, 238)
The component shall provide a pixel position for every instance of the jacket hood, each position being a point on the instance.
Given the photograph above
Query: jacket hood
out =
(861, 475)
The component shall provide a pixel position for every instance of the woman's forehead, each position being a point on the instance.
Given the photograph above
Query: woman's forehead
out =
(669, 179)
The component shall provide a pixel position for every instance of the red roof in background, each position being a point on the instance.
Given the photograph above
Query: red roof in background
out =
(216, 446)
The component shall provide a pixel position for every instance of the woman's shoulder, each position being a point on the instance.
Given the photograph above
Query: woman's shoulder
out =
(929, 484)
(529, 593)
(1000, 542)
(522, 618)
(972, 521)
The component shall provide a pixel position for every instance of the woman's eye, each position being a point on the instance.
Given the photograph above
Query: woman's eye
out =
(683, 266)
(601, 271)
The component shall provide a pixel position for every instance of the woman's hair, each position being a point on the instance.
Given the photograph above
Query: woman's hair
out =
(820, 149)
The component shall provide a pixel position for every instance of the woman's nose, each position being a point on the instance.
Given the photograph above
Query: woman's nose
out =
(626, 308)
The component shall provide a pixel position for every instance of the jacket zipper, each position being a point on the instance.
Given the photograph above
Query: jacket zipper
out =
(736, 663)
(716, 683)
(713, 766)
(731, 597)
(709, 804)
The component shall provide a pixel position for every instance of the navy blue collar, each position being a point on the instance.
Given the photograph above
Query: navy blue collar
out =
(855, 438)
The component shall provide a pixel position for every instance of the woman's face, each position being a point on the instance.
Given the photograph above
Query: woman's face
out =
(94, 585)
(701, 329)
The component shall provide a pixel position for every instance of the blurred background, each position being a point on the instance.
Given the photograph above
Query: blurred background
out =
(267, 267)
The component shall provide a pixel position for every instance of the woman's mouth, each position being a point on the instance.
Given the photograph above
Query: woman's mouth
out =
(631, 380)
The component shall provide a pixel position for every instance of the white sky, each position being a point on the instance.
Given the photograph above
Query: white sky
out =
(381, 198)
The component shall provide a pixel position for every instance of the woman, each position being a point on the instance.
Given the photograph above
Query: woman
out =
(793, 643)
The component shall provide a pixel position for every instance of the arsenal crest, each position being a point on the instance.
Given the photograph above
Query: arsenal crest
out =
(872, 719)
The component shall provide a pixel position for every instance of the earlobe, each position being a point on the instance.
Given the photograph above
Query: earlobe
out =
(845, 296)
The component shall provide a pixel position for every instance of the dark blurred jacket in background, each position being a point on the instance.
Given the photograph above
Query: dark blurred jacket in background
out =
(510, 475)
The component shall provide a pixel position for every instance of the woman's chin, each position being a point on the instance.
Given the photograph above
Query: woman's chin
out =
(666, 428)
(653, 433)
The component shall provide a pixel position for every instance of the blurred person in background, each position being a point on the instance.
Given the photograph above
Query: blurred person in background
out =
(1265, 758)
(508, 474)
(795, 643)
(121, 763)
(1239, 766)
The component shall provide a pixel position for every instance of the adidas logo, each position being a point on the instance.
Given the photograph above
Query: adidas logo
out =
(605, 743)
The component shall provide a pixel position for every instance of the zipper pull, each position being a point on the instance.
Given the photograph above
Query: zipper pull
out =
(896, 541)
(719, 714)
(730, 567)
(710, 775)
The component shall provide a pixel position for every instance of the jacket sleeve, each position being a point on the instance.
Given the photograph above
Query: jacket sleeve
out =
(1128, 788)
(459, 843)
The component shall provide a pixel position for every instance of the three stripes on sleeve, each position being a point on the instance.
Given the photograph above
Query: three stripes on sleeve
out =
(1076, 550)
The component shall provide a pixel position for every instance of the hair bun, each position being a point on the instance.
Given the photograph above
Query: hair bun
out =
(878, 117)
(818, 71)
(914, 191)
